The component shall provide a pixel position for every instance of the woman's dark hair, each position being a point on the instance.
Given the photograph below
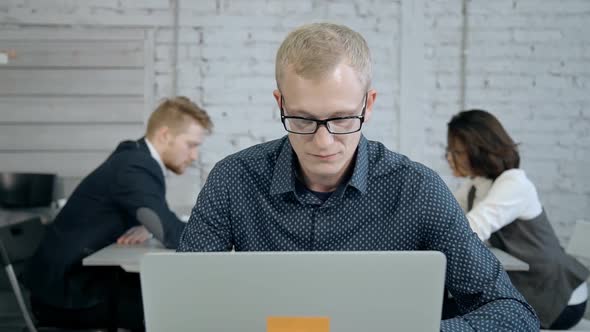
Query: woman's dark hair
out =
(489, 148)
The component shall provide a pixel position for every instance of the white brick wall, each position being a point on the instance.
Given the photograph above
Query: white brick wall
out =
(225, 59)
(527, 62)
(235, 55)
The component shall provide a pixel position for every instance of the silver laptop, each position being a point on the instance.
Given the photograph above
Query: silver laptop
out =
(248, 291)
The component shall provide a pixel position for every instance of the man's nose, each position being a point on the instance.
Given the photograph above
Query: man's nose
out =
(322, 136)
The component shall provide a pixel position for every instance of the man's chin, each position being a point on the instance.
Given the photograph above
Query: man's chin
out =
(177, 170)
(328, 169)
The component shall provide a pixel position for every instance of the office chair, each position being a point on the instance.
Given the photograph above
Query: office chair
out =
(579, 246)
(16, 244)
(6, 264)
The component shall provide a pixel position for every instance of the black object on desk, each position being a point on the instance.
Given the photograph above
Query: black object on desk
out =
(25, 190)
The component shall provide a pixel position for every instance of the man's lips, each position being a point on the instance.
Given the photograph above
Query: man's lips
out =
(324, 156)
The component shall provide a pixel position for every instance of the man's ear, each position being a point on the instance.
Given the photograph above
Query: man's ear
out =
(277, 94)
(163, 135)
(371, 97)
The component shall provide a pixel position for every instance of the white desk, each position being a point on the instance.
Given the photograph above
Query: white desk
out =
(128, 256)
(510, 263)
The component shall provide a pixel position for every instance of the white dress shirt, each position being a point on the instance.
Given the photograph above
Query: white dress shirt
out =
(154, 153)
(512, 196)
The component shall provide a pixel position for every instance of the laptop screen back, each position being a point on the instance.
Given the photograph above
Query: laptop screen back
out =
(354, 291)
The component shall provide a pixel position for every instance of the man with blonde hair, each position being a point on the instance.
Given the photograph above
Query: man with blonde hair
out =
(326, 187)
(123, 199)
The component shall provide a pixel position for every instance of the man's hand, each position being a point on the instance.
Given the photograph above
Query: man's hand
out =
(135, 235)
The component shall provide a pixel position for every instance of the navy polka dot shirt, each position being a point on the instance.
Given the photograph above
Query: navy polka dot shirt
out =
(252, 202)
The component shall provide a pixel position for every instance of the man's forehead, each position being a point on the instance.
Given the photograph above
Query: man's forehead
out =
(327, 92)
(337, 75)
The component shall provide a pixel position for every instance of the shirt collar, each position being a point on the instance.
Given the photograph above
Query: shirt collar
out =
(154, 153)
(360, 174)
(283, 177)
(284, 174)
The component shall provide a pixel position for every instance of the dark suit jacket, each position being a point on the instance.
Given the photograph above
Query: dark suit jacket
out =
(124, 191)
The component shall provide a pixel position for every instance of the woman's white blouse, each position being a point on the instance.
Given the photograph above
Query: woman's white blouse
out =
(512, 196)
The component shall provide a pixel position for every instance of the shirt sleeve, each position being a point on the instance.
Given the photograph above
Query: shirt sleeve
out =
(506, 201)
(209, 227)
(140, 191)
(487, 300)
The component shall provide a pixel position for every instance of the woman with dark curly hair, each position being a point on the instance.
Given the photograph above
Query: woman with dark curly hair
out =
(503, 207)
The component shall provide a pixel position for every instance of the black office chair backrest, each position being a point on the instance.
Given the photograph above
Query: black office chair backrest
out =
(22, 239)
(4, 255)
(12, 278)
(17, 243)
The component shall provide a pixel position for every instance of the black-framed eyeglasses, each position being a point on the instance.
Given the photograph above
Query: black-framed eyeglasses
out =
(338, 126)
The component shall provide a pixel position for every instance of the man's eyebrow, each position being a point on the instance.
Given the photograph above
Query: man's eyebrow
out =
(296, 112)
(344, 114)
(305, 114)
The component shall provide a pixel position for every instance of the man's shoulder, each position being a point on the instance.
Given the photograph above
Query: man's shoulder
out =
(130, 150)
(256, 156)
(132, 154)
(385, 162)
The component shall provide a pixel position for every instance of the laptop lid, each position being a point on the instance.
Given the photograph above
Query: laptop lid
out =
(249, 291)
